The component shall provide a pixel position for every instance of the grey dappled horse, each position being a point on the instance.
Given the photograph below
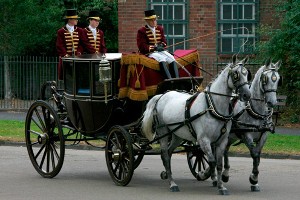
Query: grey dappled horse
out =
(255, 116)
(204, 118)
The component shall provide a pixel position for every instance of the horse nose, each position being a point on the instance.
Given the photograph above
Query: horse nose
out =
(270, 104)
(246, 97)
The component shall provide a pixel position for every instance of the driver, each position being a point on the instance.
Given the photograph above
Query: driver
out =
(151, 41)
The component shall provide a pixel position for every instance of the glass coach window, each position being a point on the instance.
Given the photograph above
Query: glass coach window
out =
(233, 15)
(173, 16)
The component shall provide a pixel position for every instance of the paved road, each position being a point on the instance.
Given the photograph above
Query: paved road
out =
(10, 115)
(85, 176)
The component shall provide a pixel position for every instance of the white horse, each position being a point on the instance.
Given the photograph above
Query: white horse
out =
(204, 118)
(253, 119)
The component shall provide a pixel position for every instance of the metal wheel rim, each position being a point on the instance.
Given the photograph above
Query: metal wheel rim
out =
(44, 139)
(119, 155)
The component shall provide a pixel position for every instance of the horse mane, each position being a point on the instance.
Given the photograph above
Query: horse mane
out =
(220, 72)
(258, 74)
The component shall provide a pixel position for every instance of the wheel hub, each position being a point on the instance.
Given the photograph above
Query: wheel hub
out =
(117, 156)
(43, 138)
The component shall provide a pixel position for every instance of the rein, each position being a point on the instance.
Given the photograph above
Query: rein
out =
(211, 109)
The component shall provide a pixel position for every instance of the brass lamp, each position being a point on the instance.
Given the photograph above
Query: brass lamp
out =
(104, 74)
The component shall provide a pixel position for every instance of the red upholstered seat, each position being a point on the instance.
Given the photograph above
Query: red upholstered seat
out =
(140, 75)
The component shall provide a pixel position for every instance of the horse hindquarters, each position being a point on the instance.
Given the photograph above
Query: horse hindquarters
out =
(147, 123)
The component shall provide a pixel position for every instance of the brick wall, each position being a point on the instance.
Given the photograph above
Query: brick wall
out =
(202, 25)
(131, 14)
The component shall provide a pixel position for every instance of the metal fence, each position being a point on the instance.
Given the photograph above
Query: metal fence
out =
(21, 77)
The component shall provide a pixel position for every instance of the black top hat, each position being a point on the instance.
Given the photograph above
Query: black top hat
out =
(71, 14)
(94, 14)
(150, 14)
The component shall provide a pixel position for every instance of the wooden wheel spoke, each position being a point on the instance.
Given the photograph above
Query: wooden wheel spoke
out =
(43, 128)
(54, 151)
(39, 152)
(48, 158)
(39, 125)
(195, 164)
(43, 158)
(117, 144)
(35, 132)
(52, 157)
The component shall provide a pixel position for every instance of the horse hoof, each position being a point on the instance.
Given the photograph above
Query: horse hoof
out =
(225, 179)
(201, 176)
(215, 183)
(253, 182)
(223, 191)
(163, 175)
(255, 188)
(174, 189)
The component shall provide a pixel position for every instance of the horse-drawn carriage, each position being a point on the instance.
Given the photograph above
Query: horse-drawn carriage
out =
(100, 100)
(104, 99)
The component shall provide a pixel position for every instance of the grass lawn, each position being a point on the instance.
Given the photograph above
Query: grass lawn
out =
(276, 144)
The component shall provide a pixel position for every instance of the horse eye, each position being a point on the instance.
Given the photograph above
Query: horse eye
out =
(244, 70)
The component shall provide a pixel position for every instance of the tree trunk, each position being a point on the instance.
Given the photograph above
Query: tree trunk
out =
(7, 85)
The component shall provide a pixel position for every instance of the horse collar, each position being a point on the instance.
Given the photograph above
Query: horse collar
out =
(213, 111)
(256, 115)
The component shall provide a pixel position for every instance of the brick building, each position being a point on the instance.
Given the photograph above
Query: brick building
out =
(217, 29)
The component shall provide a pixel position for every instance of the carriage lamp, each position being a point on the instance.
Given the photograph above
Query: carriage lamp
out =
(104, 75)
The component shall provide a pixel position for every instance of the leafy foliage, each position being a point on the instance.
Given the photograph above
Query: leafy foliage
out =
(284, 44)
(29, 27)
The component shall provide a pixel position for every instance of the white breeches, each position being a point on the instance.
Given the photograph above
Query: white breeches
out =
(162, 56)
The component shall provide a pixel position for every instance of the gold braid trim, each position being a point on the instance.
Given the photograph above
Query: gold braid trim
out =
(141, 59)
(132, 59)
(137, 95)
(187, 59)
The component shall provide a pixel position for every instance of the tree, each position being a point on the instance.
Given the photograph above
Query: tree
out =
(26, 26)
(109, 19)
(284, 44)
(29, 26)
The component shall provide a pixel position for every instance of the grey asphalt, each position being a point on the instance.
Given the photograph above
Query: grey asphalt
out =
(12, 115)
(84, 175)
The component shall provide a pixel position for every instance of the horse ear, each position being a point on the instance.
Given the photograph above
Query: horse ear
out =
(278, 64)
(249, 76)
(268, 62)
(234, 58)
(280, 81)
(246, 60)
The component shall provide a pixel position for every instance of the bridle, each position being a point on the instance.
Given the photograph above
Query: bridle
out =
(264, 79)
(235, 77)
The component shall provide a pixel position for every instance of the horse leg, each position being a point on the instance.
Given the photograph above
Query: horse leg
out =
(213, 171)
(225, 174)
(210, 171)
(166, 154)
(255, 154)
(219, 158)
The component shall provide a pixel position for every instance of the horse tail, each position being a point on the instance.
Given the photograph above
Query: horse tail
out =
(147, 123)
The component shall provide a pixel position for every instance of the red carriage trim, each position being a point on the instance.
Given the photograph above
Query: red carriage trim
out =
(140, 75)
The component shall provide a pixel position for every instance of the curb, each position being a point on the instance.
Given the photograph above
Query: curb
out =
(87, 147)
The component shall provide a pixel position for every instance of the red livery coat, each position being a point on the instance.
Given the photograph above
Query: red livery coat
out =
(146, 40)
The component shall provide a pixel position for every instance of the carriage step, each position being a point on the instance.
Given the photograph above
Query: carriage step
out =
(139, 147)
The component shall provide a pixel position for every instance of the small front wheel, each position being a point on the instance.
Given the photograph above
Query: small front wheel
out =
(44, 139)
(198, 162)
(119, 155)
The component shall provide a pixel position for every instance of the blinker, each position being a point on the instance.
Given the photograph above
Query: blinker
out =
(280, 81)
(274, 77)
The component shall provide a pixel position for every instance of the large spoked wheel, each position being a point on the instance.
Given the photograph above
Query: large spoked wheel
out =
(44, 139)
(138, 157)
(198, 163)
(119, 155)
